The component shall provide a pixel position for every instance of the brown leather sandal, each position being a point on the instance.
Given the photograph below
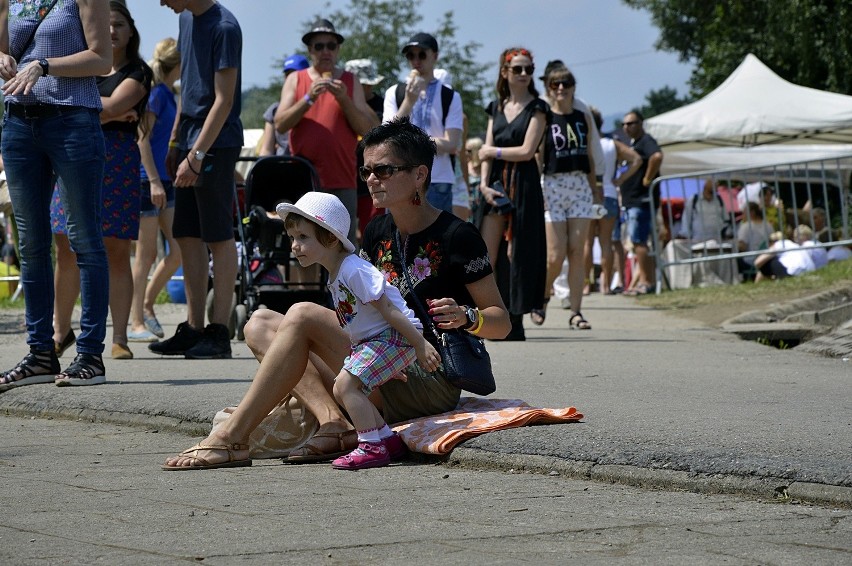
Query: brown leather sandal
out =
(308, 453)
(200, 463)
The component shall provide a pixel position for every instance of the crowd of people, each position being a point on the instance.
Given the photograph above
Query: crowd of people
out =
(100, 151)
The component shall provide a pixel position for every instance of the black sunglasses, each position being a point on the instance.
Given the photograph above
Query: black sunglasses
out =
(382, 172)
(419, 55)
(565, 83)
(518, 69)
(329, 45)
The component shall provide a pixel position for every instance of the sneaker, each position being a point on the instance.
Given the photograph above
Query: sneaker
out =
(397, 450)
(214, 344)
(36, 367)
(144, 335)
(153, 326)
(367, 455)
(86, 369)
(185, 338)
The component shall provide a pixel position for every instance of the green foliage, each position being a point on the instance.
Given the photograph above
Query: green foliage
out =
(662, 100)
(806, 42)
(255, 102)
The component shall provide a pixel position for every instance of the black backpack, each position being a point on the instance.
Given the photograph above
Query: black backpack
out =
(446, 99)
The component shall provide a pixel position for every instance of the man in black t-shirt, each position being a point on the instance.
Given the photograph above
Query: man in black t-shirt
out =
(638, 200)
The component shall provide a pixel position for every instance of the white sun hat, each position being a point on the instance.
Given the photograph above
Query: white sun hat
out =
(324, 209)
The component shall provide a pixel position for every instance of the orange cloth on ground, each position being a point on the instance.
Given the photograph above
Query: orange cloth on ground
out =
(439, 434)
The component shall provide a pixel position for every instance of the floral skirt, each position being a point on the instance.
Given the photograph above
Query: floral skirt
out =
(119, 192)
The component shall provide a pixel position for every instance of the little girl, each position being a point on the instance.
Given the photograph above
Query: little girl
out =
(386, 335)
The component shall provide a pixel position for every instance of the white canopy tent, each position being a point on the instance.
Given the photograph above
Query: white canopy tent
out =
(754, 106)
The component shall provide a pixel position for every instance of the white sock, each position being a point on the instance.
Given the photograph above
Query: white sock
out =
(370, 435)
(385, 432)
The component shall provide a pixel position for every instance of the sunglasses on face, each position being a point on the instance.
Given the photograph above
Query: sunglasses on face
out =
(518, 69)
(411, 55)
(330, 46)
(382, 172)
(564, 83)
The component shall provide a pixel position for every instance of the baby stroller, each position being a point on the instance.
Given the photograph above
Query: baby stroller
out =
(269, 275)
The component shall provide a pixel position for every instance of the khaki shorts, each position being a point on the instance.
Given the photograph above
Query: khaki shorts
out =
(425, 393)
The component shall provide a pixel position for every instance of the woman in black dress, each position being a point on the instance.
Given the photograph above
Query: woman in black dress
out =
(515, 239)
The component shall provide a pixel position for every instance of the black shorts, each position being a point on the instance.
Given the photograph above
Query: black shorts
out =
(206, 210)
(774, 268)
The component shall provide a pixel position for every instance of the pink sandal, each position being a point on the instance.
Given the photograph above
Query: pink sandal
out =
(367, 455)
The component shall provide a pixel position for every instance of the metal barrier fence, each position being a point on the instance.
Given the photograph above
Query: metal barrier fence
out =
(798, 189)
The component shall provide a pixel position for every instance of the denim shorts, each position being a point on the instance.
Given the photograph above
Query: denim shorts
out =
(611, 206)
(147, 208)
(440, 195)
(638, 224)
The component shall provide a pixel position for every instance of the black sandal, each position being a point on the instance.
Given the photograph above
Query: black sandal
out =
(538, 315)
(577, 321)
(36, 367)
(86, 369)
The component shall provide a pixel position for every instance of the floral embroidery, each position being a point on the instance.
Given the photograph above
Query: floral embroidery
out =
(345, 309)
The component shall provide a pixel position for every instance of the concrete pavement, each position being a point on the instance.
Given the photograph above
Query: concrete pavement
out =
(668, 403)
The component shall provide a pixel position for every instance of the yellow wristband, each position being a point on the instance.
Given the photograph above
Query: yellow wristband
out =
(173, 144)
(475, 330)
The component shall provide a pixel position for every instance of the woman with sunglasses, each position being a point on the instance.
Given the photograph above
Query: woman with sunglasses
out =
(570, 190)
(300, 352)
(514, 230)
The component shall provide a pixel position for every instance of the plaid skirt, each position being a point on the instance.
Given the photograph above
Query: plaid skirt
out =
(378, 359)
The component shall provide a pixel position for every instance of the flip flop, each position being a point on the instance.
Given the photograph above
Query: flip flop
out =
(347, 441)
(205, 464)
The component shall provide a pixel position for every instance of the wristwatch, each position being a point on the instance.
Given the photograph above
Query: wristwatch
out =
(199, 155)
(472, 317)
(45, 67)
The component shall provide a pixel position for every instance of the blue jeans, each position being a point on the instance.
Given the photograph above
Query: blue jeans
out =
(440, 195)
(35, 150)
(639, 224)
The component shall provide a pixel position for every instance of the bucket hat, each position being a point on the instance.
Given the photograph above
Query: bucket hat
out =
(365, 70)
(324, 209)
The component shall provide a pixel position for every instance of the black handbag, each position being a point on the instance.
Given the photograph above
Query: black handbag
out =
(467, 364)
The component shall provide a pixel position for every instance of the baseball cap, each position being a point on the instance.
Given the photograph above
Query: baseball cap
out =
(423, 41)
(365, 70)
(324, 209)
(295, 63)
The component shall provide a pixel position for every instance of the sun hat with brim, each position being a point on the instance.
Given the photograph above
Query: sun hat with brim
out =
(324, 209)
(321, 26)
(365, 70)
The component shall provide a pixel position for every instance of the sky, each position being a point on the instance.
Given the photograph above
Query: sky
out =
(608, 46)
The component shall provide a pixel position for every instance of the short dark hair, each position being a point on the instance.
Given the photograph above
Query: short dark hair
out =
(410, 144)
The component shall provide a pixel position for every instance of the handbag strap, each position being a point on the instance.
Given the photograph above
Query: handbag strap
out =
(35, 29)
(423, 312)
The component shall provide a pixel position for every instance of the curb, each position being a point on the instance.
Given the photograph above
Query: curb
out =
(774, 490)
(769, 489)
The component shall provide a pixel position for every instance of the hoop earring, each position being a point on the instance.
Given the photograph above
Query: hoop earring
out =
(416, 201)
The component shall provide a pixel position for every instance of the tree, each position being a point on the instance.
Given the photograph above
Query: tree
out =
(805, 41)
(662, 100)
